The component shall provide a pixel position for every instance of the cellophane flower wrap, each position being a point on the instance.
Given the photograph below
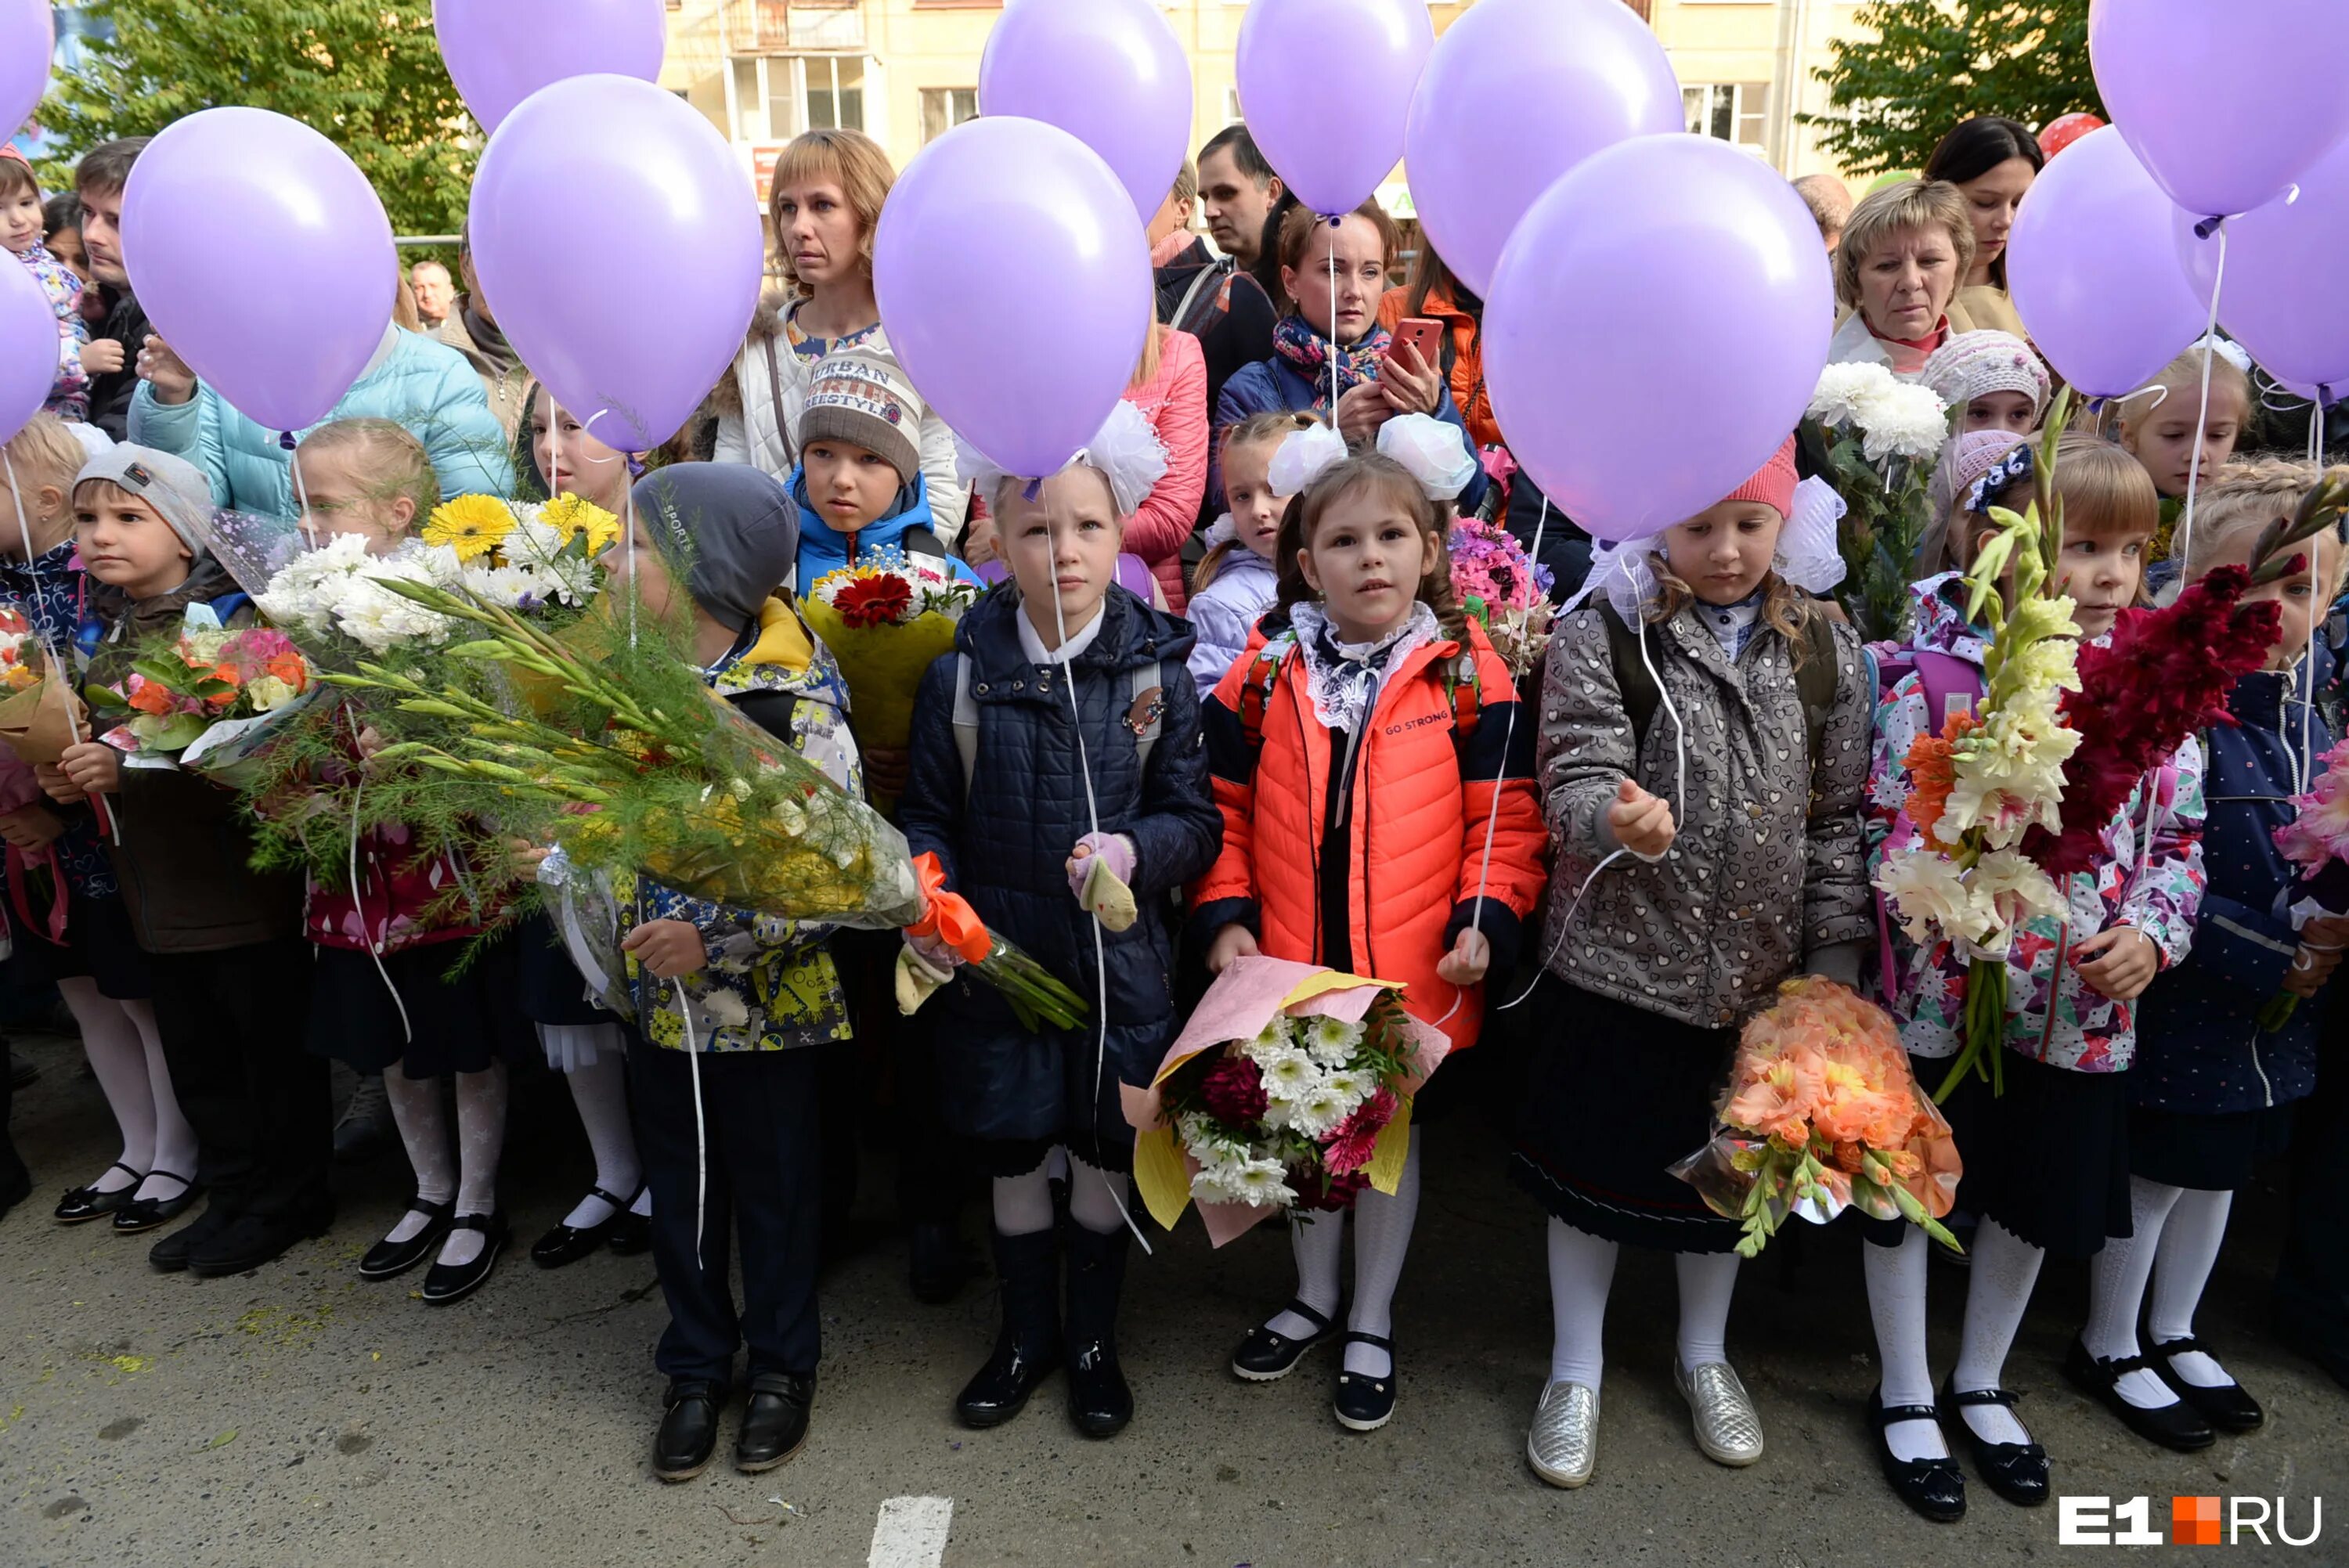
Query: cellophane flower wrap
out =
(1875, 438)
(20, 652)
(1503, 588)
(887, 620)
(1822, 1113)
(641, 768)
(1289, 1090)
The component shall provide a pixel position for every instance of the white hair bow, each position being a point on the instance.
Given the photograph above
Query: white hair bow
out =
(1436, 453)
(1125, 451)
(1809, 555)
(1302, 457)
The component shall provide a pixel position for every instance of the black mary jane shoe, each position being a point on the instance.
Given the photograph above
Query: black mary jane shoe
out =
(445, 1283)
(569, 1243)
(1264, 1357)
(84, 1204)
(688, 1429)
(388, 1258)
(775, 1422)
(2229, 1408)
(632, 1234)
(1936, 1488)
(146, 1213)
(2016, 1471)
(2177, 1425)
(1366, 1404)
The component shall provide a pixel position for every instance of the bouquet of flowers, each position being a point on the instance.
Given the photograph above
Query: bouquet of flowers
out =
(1501, 586)
(2316, 841)
(42, 713)
(887, 620)
(20, 651)
(647, 770)
(179, 691)
(1875, 438)
(1822, 1114)
(1289, 1088)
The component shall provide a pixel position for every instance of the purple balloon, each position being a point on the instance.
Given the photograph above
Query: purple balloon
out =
(28, 350)
(1326, 85)
(28, 39)
(2094, 267)
(1517, 93)
(1015, 284)
(2282, 299)
(1110, 73)
(223, 186)
(632, 336)
(499, 51)
(2223, 105)
(1655, 329)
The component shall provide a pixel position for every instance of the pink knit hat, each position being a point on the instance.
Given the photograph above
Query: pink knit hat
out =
(1773, 483)
(1972, 364)
(1974, 454)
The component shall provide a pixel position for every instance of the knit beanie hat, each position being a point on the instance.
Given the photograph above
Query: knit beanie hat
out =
(731, 530)
(1773, 483)
(1972, 364)
(865, 400)
(172, 485)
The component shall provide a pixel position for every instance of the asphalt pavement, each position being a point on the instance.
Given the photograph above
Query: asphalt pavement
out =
(299, 1416)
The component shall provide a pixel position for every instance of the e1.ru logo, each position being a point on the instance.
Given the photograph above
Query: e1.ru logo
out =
(2193, 1521)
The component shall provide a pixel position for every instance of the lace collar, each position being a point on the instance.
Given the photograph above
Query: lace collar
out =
(1343, 678)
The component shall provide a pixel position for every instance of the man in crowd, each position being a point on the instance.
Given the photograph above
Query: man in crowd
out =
(1830, 201)
(1204, 294)
(1237, 191)
(471, 329)
(434, 292)
(111, 356)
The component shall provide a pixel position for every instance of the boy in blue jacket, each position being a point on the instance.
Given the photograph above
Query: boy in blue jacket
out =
(2213, 1085)
(1063, 727)
(859, 483)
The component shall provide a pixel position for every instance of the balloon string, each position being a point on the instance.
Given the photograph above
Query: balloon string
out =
(60, 667)
(700, 1128)
(358, 901)
(1334, 225)
(628, 509)
(2202, 413)
(301, 493)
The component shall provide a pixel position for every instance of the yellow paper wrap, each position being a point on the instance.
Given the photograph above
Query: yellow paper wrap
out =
(883, 665)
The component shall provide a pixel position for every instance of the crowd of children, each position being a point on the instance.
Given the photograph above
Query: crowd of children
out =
(1326, 762)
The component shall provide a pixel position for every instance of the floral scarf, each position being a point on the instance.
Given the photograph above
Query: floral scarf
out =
(1308, 353)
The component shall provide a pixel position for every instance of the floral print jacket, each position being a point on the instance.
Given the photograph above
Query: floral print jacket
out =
(2149, 876)
(69, 393)
(769, 983)
(52, 595)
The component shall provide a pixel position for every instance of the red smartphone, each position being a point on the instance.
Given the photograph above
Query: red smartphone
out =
(1424, 336)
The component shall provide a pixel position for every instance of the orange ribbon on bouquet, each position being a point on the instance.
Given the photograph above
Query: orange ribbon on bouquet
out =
(947, 917)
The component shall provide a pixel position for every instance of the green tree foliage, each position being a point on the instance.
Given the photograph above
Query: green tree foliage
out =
(1913, 68)
(366, 74)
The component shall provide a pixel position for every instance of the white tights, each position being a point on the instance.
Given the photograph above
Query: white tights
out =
(600, 1089)
(1024, 1204)
(1383, 1227)
(466, 1170)
(2175, 1242)
(1581, 1276)
(126, 1054)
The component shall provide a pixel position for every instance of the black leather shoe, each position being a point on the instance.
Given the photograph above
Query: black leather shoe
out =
(1366, 1404)
(2016, 1471)
(938, 1263)
(445, 1283)
(83, 1204)
(250, 1241)
(171, 1254)
(364, 1129)
(146, 1213)
(688, 1431)
(569, 1243)
(21, 1069)
(388, 1258)
(2177, 1425)
(1028, 1346)
(631, 1233)
(775, 1422)
(2227, 1408)
(1100, 1403)
(1934, 1488)
(1264, 1357)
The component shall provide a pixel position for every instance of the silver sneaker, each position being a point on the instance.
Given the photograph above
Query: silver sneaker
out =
(1563, 1443)
(1728, 1429)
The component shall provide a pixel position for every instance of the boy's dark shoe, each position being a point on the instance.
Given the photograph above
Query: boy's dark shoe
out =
(689, 1432)
(170, 1253)
(775, 1422)
(252, 1240)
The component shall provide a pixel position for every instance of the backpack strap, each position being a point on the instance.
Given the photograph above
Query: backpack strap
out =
(1464, 692)
(921, 541)
(1214, 273)
(1641, 696)
(1256, 693)
(1943, 676)
(966, 723)
(1814, 680)
(1145, 713)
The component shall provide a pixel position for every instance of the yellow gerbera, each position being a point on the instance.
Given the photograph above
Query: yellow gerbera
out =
(568, 514)
(471, 525)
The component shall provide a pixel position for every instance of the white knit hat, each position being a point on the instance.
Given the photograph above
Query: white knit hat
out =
(1973, 363)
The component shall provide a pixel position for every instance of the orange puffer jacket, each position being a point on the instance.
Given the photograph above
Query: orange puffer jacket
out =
(1423, 790)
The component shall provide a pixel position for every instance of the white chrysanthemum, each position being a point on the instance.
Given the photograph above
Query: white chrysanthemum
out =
(1332, 1042)
(306, 592)
(1287, 1073)
(378, 618)
(1901, 420)
(1842, 390)
(1258, 1183)
(1275, 1039)
(1317, 1114)
(1351, 1088)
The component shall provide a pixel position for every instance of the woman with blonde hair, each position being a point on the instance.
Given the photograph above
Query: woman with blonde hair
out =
(1903, 255)
(825, 204)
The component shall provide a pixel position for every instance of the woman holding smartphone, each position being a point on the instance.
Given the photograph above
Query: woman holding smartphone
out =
(1331, 356)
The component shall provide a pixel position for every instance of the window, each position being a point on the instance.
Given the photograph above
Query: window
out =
(776, 97)
(1232, 115)
(943, 108)
(1730, 111)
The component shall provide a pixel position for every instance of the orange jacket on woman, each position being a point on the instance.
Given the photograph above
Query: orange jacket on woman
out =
(1467, 386)
(1440, 755)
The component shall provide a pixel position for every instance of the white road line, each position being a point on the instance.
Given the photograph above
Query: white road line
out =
(911, 1533)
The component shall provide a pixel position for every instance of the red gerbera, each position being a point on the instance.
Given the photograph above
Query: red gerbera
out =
(881, 600)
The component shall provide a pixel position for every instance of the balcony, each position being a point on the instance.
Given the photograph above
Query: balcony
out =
(779, 26)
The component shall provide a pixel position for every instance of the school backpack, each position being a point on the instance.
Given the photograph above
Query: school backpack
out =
(1145, 690)
(1815, 676)
(1461, 689)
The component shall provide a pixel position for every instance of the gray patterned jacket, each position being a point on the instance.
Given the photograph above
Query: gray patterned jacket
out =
(1768, 865)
